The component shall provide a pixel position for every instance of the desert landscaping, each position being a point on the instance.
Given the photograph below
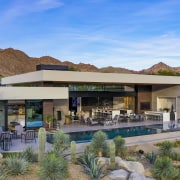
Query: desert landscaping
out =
(101, 159)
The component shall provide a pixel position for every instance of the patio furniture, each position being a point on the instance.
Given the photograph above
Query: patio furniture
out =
(18, 130)
(28, 135)
(115, 119)
(91, 122)
(5, 140)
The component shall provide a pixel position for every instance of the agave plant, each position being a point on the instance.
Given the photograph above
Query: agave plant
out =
(3, 171)
(163, 169)
(17, 164)
(29, 154)
(166, 148)
(151, 156)
(91, 166)
(53, 167)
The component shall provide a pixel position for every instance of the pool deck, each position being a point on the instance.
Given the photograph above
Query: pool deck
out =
(136, 140)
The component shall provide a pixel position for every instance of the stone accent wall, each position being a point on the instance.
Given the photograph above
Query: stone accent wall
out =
(144, 97)
(63, 106)
(47, 107)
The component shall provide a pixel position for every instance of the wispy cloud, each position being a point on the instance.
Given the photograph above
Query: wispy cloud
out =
(23, 7)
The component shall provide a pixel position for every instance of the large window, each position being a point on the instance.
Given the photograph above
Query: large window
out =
(2, 114)
(34, 111)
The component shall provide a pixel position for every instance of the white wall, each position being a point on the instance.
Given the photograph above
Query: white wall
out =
(13, 93)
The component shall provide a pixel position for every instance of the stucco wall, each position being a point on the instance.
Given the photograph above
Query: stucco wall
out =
(173, 92)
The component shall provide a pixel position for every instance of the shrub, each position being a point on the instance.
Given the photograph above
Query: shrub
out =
(99, 144)
(176, 143)
(53, 167)
(17, 164)
(166, 148)
(151, 156)
(91, 167)
(175, 156)
(61, 142)
(120, 146)
(3, 171)
(29, 154)
(163, 169)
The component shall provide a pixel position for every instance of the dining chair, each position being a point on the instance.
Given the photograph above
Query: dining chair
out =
(18, 130)
(5, 140)
(28, 135)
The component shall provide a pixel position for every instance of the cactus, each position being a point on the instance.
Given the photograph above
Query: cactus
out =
(112, 155)
(41, 143)
(73, 151)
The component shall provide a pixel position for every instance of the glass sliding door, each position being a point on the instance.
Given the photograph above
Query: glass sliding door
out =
(2, 114)
(34, 114)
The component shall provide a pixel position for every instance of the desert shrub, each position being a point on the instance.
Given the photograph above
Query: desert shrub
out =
(9, 154)
(120, 146)
(17, 164)
(131, 158)
(90, 164)
(176, 143)
(175, 156)
(53, 167)
(3, 171)
(30, 155)
(163, 169)
(166, 148)
(99, 144)
(61, 142)
(151, 156)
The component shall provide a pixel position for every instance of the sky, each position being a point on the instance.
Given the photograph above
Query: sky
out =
(132, 34)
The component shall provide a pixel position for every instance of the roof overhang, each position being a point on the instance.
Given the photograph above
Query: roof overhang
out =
(89, 77)
(19, 93)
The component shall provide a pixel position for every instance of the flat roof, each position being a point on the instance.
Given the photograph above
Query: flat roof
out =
(89, 77)
(12, 93)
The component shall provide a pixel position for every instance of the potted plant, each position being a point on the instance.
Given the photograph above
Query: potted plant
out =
(68, 119)
(49, 119)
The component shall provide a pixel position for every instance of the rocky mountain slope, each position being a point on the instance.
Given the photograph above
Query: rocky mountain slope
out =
(16, 62)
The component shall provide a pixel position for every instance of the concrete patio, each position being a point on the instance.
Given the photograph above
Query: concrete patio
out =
(136, 140)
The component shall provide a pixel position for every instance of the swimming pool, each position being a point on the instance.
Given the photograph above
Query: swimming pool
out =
(86, 136)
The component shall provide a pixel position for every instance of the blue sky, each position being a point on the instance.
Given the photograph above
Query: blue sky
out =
(133, 34)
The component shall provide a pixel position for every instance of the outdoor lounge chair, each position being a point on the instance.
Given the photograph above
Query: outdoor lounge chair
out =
(28, 135)
(91, 122)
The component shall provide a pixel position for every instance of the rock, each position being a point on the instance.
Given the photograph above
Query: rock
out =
(1, 156)
(104, 162)
(119, 174)
(131, 166)
(137, 176)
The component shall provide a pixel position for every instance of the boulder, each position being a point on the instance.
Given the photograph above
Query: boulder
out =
(1, 156)
(104, 162)
(131, 166)
(119, 174)
(137, 176)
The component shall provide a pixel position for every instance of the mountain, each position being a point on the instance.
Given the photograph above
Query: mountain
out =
(14, 62)
(156, 68)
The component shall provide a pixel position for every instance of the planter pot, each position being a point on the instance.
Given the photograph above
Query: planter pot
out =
(67, 120)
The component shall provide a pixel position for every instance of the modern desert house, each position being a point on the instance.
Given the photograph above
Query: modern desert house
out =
(27, 98)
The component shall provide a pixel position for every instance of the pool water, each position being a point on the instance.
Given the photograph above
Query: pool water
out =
(86, 136)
